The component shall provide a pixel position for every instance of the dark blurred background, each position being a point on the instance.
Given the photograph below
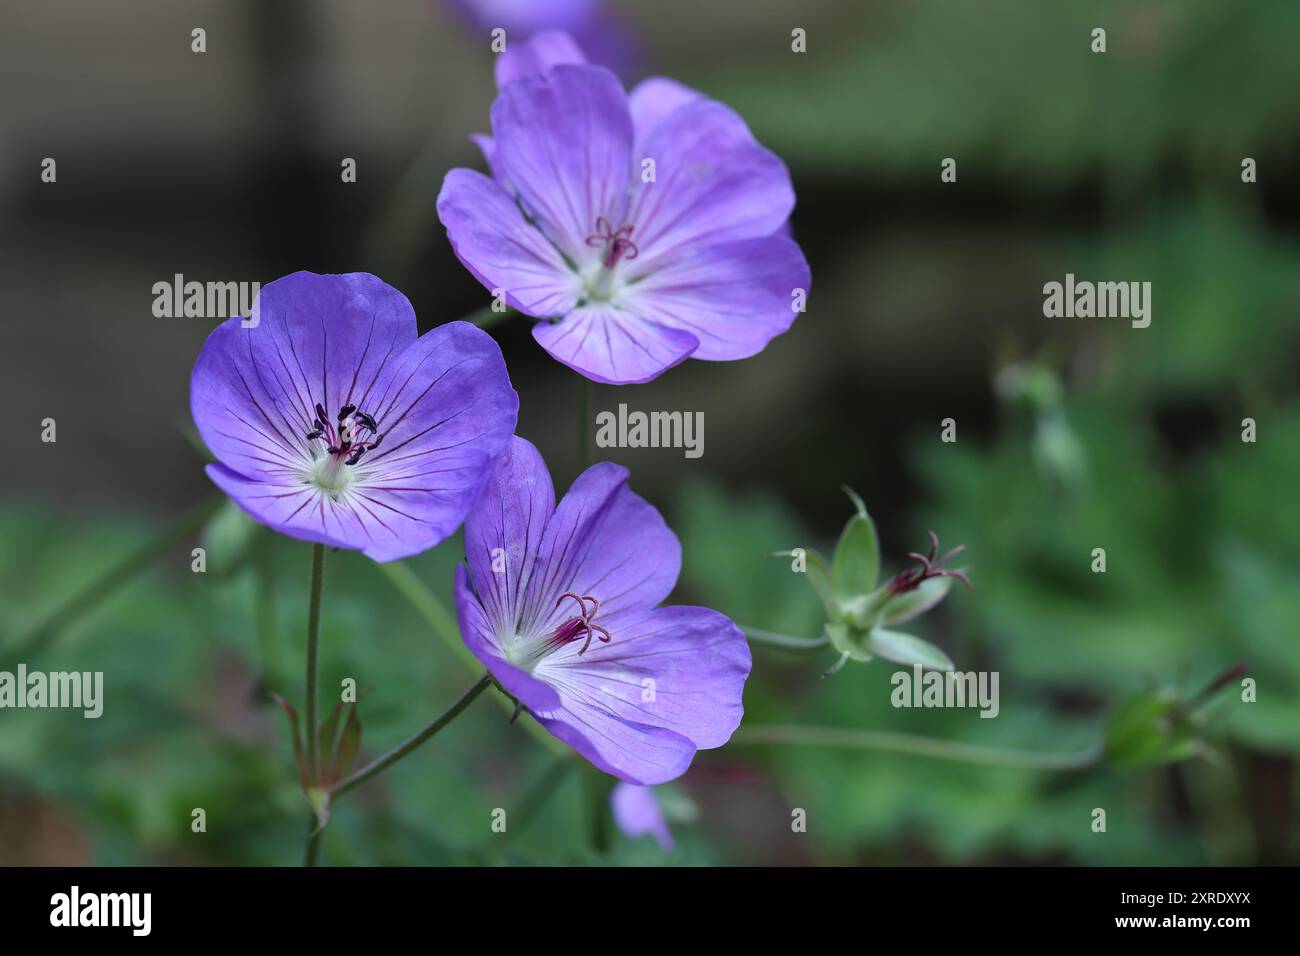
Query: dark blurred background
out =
(926, 304)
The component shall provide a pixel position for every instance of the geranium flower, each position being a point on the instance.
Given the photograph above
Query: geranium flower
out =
(637, 813)
(332, 422)
(560, 604)
(600, 30)
(632, 276)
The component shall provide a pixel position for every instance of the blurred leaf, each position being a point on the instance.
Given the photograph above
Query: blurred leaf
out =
(857, 558)
(906, 649)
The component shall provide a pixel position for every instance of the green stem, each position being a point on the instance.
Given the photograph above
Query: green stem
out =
(427, 605)
(598, 788)
(401, 750)
(538, 794)
(584, 422)
(488, 316)
(117, 576)
(313, 641)
(919, 746)
(784, 641)
(314, 832)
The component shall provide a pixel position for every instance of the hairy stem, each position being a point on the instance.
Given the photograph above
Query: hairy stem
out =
(313, 641)
(784, 641)
(919, 746)
(488, 316)
(401, 750)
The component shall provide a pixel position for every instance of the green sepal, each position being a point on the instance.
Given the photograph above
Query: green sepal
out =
(847, 639)
(905, 649)
(857, 558)
(904, 607)
(819, 577)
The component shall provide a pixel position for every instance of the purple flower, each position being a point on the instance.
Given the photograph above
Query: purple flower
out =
(637, 812)
(600, 31)
(332, 422)
(559, 603)
(647, 228)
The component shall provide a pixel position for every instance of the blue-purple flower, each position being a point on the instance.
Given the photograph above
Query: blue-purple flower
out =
(637, 813)
(599, 30)
(561, 604)
(332, 422)
(642, 228)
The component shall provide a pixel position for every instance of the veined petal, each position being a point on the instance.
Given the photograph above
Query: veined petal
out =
(713, 184)
(501, 248)
(564, 146)
(507, 522)
(445, 409)
(651, 101)
(679, 668)
(614, 346)
(605, 542)
(317, 339)
(480, 636)
(541, 52)
(734, 298)
(631, 752)
(292, 508)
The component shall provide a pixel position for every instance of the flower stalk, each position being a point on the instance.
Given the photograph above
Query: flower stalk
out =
(313, 642)
(885, 741)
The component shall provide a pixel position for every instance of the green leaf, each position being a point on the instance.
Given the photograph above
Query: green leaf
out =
(349, 743)
(856, 498)
(914, 603)
(906, 649)
(857, 558)
(1150, 728)
(293, 732)
(328, 731)
(819, 576)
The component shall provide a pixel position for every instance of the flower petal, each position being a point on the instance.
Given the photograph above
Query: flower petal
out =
(603, 541)
(564, 146)
(679, 668)
(637, 813)
(445, 409)
(713, 184)
(480, 636)
(291, 508)
(651, 101)
(493, 240)
(510, 515)
(614, 346)
(631, 752)
(734, 298)
(317, 339)
(541, 52)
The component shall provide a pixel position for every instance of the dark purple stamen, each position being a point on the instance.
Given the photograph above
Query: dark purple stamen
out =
(357, 433)
(909, 579)
(575, 627)
(618, 245)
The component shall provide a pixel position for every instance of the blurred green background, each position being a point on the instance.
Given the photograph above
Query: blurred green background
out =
(1072, 434)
